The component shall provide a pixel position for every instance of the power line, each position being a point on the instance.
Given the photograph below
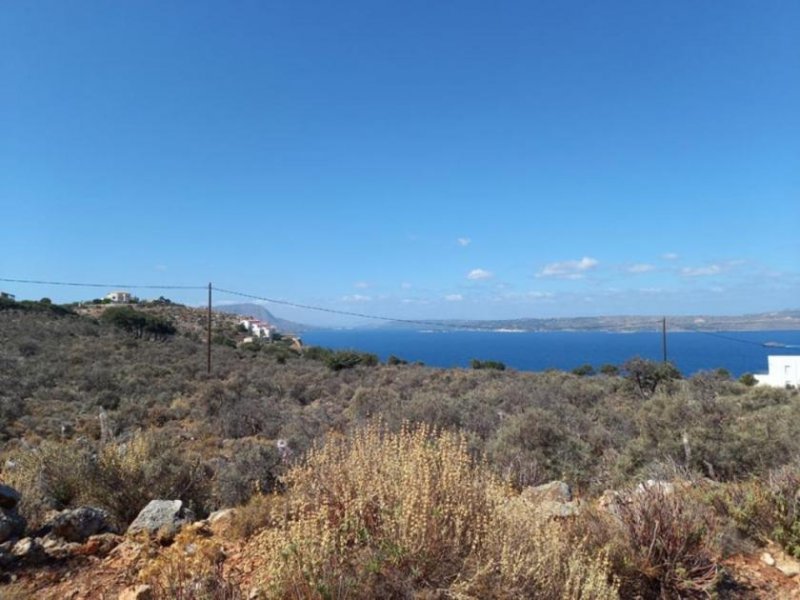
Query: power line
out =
(105, 285)
(346, 313)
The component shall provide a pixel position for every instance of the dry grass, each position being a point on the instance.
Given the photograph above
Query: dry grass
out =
(383, 514)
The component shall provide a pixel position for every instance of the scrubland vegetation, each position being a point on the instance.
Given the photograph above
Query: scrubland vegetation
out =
(399, 480)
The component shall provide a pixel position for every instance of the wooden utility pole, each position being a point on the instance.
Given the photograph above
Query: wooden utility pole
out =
(664, 337)
(209, 328)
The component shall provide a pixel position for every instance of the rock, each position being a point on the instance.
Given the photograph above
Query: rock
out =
(140, 592)
(220, 521)
(79, 524)
(162, 518)
(652, 485)
(767, 559)
(28, 550)
(9, 497)
(12, 525)
(101, 544)
(788, 567)
(555, 491)
(559, 510)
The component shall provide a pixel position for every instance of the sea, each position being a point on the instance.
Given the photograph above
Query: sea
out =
(738, 352)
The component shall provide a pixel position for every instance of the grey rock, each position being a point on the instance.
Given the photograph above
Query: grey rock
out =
(12, 525)
(554, 491)
(161, 516)
(78, 524)
(9, 497)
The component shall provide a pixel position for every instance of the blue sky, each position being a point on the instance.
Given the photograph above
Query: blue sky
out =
(410, 159)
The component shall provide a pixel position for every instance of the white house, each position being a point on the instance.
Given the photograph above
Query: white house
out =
(257, 328)
(783, 371)
(119, 297)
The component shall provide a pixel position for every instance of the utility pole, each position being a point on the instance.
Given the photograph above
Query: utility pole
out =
(209, 328)
(664, 337)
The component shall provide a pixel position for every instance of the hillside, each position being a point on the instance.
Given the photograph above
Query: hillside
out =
(260, 312)
(91, 415)
(771, 321)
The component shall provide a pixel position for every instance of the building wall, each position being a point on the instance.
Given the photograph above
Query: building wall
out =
(783, 371)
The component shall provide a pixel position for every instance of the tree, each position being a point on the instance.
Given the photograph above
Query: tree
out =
(648, 375)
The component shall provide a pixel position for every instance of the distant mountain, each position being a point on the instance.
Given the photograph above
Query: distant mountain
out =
(779, 320)
(259, 312)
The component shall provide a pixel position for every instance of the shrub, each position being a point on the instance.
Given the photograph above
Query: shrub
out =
(748, 379)
(583, 370)
(666, 541)
(380, 514)
(487, 364)
(648, 375)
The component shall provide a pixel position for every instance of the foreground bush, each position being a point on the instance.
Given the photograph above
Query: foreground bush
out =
(120, 477)
(383, 514)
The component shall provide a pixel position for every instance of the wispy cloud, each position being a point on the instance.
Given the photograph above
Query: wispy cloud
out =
(670, 256)
(160, 267)
(464, 241)
(569, 269)
(357, 298)
(361, 285)
(406, 285)
(478, 274)
(701, 271)
(454, 297)
(640, 268)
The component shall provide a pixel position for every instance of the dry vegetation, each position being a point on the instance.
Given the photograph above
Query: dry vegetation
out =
(425, 500)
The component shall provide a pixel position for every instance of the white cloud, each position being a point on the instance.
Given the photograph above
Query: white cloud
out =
(361, 285)
(356, 298)
(478, 274)
(454, 297)
(640, 268)
(464, 241)
(701, 271)
(670, 256)
(406, 286)
(569, 269)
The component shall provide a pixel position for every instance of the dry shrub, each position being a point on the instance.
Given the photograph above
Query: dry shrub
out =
(190, 569)
(120, 477)
(528, 555)
(666, 544)
(384, 514)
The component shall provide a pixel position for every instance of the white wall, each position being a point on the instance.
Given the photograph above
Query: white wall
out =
(783, 371)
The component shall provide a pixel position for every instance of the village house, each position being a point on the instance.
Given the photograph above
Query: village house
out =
(119, 297)
(784, 371)
(7, 296)
(257, 328)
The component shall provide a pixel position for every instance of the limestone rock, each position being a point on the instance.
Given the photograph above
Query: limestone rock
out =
(9, 497)
(79, 524)
(163, 518)
(220, 521)
(767, 559)
(555, 491)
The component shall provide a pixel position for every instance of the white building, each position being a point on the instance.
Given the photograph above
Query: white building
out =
(119, 297)
(783, 371)
(257, 328)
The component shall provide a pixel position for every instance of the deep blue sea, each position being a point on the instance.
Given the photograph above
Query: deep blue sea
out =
(738, 352)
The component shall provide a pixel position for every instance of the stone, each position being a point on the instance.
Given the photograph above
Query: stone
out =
(12, 525)
(554, 491)
(163, 518)
(788, 566)
(558, 510)
(221, 521)
(659, 487)
(767, 559)
(140, 592)
(28, 550)
(78, 524)
(9, 497)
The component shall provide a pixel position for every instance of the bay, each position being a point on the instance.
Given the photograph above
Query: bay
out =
(738, 352)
